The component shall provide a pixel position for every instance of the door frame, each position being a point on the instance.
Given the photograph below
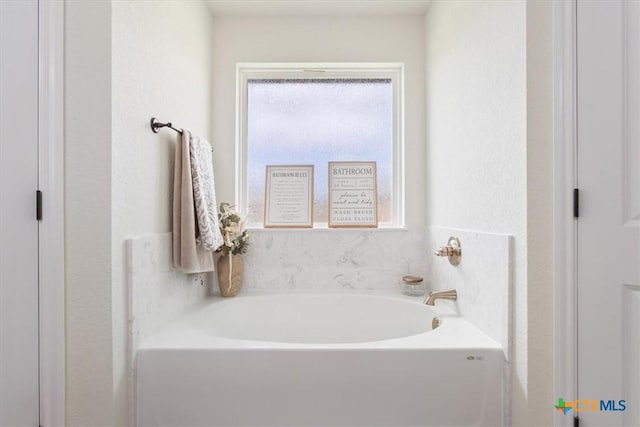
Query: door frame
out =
(51, 294)
(565, 179)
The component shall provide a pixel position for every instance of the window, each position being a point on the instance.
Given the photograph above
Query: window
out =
(309, 114)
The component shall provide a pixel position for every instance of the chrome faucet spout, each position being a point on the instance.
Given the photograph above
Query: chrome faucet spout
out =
(450, 294)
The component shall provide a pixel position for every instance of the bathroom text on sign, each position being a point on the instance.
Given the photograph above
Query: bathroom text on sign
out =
(353, 198)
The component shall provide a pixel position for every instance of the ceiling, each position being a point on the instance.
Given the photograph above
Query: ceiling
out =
(318, 7)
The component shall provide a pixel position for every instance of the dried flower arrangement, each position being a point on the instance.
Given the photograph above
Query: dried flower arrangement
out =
(234, 232)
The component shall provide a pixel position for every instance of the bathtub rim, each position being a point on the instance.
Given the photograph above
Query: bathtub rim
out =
(455, 332)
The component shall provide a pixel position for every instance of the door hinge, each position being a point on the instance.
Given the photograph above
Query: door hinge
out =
(39, 205)
(576, 203)
(576, 421)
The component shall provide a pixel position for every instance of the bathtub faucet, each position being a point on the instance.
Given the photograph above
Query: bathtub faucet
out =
(449, 294)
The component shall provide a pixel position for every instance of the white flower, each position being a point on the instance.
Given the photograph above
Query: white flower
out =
(232, 227)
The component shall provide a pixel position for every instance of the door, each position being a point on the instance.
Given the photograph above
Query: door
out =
(18, 225)
(608, 105)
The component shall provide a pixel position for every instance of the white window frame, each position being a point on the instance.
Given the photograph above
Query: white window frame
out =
(387, 70)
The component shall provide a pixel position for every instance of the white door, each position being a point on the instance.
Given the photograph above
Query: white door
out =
(18, 225)
(608, 105)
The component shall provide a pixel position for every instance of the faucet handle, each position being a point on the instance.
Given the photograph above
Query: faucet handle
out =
(445, 251)
(453, 251)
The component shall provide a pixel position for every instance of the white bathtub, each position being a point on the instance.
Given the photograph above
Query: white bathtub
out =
(319, 360)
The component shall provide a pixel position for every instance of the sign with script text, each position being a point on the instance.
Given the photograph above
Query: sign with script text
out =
(353, 194)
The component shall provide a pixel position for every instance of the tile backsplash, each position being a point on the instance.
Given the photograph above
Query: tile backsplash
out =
(331, 259)
(157, 294)
(483, 278)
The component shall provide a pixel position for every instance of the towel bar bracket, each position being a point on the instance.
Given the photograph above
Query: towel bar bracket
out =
(157, 125)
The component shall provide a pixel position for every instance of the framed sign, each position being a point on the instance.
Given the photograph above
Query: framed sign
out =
(353, 194)
(288, 196)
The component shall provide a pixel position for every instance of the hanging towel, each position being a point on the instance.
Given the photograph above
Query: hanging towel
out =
(187, 255)
(204, 194)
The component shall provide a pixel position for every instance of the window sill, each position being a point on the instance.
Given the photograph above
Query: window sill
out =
(324, 228)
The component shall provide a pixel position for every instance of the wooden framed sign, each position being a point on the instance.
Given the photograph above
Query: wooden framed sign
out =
(288, 200)
(353, 194)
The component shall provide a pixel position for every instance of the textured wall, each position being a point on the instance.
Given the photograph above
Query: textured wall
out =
(87, 129)
(161, 66)
(477, 138)
(540, 211)
(320, 39)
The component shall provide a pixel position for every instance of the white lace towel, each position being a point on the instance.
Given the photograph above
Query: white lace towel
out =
(204, 195)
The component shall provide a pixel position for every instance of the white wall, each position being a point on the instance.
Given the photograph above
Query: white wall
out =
(87, 134)
(481, 124)
(125, 62)
(540, 211)
(319, 39)
(476, 137)
(161, 66)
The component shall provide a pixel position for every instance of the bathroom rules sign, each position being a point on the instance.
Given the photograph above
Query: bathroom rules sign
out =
(288, 196)
(353, 194)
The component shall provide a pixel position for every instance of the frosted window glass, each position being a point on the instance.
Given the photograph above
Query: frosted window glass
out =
(314, 121)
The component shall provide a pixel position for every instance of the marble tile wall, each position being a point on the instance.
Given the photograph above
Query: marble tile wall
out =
(157, 294)
(483, 278)
(330, 259)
